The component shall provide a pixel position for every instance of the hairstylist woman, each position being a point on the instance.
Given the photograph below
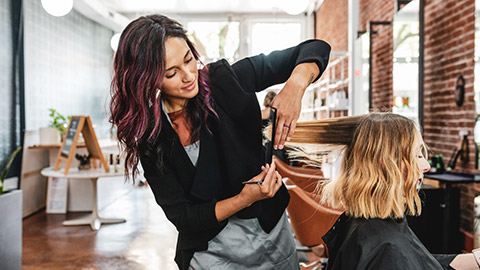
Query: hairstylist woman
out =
(197, 133)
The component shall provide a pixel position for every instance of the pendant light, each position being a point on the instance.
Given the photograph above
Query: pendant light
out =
(294, 7)
(57, 8)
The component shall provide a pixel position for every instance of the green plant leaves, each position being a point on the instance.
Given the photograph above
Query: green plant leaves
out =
(7, 166)
(59, 121)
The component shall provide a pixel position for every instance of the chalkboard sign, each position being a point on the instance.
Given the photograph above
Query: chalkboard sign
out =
(70, 137)
(79, 124)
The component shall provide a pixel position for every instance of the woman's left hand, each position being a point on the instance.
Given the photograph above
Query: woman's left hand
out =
(289, 101)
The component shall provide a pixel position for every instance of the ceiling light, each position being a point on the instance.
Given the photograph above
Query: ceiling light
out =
(114, 41)
(294, 7)
(57, 8)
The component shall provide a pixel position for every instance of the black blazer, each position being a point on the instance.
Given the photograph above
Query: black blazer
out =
(230, 150)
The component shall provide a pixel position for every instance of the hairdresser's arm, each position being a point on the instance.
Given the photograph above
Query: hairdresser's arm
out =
(190, 217)
(262, 71)
(297, 66)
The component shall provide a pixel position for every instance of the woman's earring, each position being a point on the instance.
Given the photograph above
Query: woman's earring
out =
(158, 93)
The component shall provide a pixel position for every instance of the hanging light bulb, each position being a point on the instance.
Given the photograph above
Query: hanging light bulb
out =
(57, 8)
(114, 41)
(294, 7)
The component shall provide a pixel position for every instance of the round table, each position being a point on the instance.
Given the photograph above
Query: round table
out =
(94, 220)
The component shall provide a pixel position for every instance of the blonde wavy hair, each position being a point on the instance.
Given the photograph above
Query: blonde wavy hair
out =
(379, 171)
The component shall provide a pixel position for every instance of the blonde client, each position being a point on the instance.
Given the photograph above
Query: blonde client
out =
(383, 163)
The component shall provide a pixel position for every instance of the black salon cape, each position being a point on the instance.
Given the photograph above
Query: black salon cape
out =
(358, 243)
(230, 150)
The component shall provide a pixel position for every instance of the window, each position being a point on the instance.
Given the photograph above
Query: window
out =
(360, 78)
(267, 37)
(215, 40)
(234, 37)
(405, 61)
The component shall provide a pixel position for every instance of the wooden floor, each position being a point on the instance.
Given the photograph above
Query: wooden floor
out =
(145, 241)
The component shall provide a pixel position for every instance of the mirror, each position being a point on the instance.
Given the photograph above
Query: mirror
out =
(360, 78)
(406, 48)
(476, 85)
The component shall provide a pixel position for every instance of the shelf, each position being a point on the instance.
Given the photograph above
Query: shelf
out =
(50, 146)
(325, 89)
(338, 109)
(309, 110)
(334, 79)
(329, 81)
(323, 108)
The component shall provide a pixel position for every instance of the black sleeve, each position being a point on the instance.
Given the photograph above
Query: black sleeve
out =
(187, 217)
(262, 71)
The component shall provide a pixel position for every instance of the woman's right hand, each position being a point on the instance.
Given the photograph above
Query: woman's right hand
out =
(272, 181)
(250, 193)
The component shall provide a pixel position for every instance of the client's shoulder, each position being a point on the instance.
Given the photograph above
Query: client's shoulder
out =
(381, 231)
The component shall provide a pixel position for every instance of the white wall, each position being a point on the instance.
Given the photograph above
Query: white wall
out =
(67, 67)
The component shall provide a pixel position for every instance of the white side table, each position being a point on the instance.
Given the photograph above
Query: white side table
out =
(93, 219)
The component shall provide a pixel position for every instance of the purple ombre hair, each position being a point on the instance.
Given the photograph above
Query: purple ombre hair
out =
(139, 68)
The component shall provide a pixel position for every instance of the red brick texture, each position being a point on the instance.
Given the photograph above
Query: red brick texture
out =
(449, 52)
(332, 24)
(382, 50)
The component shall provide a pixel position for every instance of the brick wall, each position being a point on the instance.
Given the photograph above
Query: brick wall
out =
(332, 24)
(382, 50)
(449, 52)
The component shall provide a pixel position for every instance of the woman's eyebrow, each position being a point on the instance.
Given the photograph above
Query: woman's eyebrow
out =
(188, 51)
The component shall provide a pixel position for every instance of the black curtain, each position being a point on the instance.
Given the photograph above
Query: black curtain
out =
(17, 110)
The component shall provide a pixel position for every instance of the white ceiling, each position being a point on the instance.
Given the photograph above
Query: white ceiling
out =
(193, 6)
(116, 14)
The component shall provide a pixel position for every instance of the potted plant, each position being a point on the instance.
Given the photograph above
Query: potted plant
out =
(10, 221)
(54, 133)
(5, 170)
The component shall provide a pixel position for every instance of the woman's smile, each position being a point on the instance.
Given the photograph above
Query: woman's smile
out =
(191, 86)
(181, 74)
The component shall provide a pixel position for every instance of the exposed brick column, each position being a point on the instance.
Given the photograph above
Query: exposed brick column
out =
(382, 51)
(449, 52)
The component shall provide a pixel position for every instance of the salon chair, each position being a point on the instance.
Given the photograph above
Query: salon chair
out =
(310, 221)
(305, 178)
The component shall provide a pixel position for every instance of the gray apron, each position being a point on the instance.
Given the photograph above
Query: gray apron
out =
(243, 244)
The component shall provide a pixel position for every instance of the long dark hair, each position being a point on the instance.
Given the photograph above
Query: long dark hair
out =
(139, 68)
